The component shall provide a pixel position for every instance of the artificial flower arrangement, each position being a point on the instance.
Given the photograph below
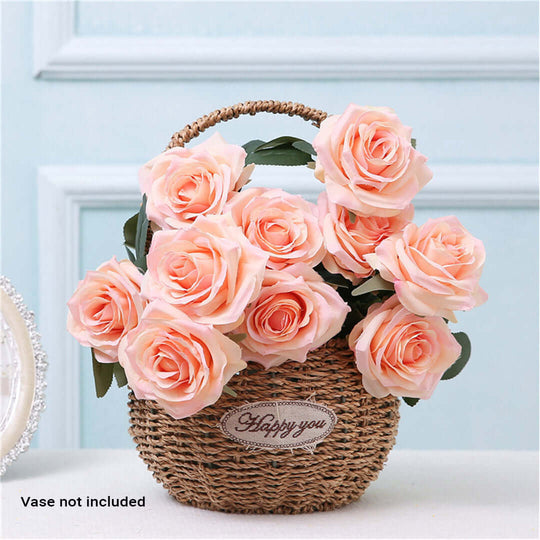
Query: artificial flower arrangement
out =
(220, 276)
(236, 275)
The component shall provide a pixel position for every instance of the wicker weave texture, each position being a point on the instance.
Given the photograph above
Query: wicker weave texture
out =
(189, 132)
(199, 466)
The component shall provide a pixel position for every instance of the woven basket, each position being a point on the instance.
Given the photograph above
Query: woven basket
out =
(200, 466)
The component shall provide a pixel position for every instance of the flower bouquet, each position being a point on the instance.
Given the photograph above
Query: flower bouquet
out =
(266, 339)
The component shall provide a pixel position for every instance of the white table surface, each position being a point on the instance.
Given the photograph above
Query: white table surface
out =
(428, 494)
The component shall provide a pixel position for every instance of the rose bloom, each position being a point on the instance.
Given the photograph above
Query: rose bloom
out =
(105, 306)
(367, 162)
(400, 353)
(181, 364)
(295, 313)
(283, 225)
(348, 242)
(435, 268)
(183, 183)
(209, 270)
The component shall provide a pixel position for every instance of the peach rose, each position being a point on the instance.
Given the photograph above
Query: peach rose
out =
(435, 268)
(208, 269)
(295, 313)
(181, 364)
(183, 183)
(284, 226)
(400, 353)
(367, 162)
(348, 242)
(105, 306)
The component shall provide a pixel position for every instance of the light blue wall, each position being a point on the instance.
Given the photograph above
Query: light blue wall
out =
(494, 403)
(287, 18)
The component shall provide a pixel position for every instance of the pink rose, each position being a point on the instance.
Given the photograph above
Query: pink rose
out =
(400, 353)
(348, 242)
(284, 226)
(181, 364)
(105, 306)
(366, 159)
(183, 183)
(435, 268)
(209, 270)
(295, 313)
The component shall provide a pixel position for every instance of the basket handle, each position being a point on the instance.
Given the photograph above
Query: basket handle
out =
(225, 114)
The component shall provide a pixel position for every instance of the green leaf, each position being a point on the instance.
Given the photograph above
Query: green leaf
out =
(230, 391)
(455, 369)
(130, 230)
(287, 156)
(352, 216)
(140, 237)
(413, 143)
(375, 283)
(304, 146)
(250, 146)
(131, 255)
(103, 375)
(281, 151)
(119, 375)
(411, 401)
(237, 338)
(287, 141)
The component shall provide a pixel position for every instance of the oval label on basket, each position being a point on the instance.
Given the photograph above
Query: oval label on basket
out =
(279, 424)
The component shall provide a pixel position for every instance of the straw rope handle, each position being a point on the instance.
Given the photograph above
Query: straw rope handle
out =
(315, 116)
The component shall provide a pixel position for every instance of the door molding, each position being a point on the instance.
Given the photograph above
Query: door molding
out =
(64, 191)
(59, 53)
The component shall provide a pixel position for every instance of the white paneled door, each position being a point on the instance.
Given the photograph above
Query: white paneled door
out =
(92, 90)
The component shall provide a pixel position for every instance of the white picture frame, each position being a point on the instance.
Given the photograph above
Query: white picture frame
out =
(22, 375)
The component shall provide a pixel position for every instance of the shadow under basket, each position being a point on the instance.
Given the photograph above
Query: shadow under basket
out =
(200, 466)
